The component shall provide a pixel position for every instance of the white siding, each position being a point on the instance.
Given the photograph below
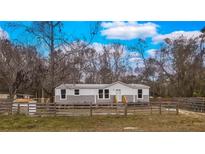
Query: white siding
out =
(69, 92)
(57, 91)
(124, 89)
(145, 92)
(112, 89)
(82, 91)
(87, 92)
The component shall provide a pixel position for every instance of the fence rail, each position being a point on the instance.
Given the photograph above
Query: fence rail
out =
(191, 104)
(89, 109)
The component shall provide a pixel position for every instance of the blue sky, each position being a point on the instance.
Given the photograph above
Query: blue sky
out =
(124, 32)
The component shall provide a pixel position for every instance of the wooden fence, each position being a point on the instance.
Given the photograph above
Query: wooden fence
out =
(89, 109)
(5, 108)
(191, 104)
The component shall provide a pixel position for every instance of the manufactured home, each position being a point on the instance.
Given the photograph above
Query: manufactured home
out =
(101, 93)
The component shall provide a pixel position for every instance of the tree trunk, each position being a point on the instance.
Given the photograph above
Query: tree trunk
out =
(52, 61)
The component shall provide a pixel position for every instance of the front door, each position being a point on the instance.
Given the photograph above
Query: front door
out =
(118, 95)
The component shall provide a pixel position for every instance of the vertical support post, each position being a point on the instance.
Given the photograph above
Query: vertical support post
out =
(54, 109)
(42, 96)
(36, 95)
(10, 108)
(18, 108)
(91, 112)
(150, 107)
(160, 108)
(125, 110)
(203, 105)
(28, 109)
(115, 105)
(177, 108)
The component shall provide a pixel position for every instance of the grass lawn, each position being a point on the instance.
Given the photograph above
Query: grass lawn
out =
(104, 123)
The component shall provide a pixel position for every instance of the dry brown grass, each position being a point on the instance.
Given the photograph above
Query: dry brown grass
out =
(156, 122)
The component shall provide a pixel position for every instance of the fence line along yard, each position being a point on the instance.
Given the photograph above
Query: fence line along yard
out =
(88, 109)
(171, 105)
(5, 108)
(191, 104)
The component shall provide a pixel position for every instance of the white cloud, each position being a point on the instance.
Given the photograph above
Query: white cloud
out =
(174, 35)
(133, 30)
(99, 48)
(3, 34)
(151, 52)
(133, 54)
(135, 59)
(136, 62)
(128, 30)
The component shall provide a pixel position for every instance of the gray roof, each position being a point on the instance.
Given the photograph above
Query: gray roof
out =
(98, 86)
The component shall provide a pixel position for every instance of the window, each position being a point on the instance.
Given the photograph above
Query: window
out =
(77, 92)
(63, 93)
(103, 93)
(100, 92)
(106, 93)
(118, 91)
(139, 93)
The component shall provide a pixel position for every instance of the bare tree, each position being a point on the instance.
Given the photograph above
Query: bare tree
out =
(17, 64)
(178, 61)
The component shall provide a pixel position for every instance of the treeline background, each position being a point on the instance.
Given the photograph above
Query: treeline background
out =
(176, 69)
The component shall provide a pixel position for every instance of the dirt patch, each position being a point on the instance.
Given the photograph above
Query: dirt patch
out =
(132, 129)
(191, 113)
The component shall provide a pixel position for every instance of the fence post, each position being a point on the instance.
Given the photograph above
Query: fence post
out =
(10, 109)
(91, 112)
(160, 108)
(28, 108)
(18, 109)
(203, 103)
(125, 109)
(177, 108)
(54, 109)
(115, 105)
(150, 107)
